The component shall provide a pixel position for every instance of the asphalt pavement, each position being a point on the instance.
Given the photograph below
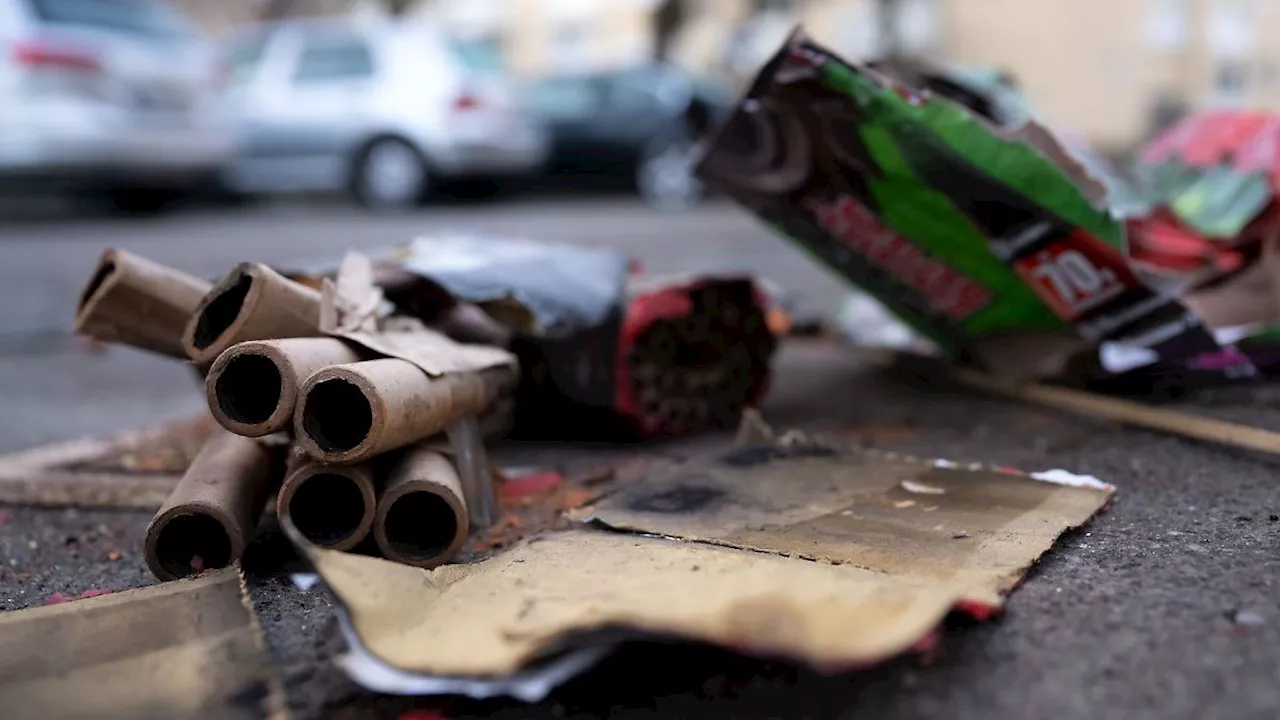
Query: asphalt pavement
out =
(1166, 606)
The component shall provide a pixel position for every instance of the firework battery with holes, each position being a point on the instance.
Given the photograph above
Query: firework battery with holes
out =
(694, 352)
(963, 230)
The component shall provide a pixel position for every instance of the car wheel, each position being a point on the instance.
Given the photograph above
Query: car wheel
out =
(665, 176)
(389, 174)
(140, 201)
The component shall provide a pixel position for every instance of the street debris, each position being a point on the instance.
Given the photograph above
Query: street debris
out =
(212, 513)
(135, 469)
(694, 352)
(354, 402)
(990, 241)
(1004, 247)
(744, 549)
(190, 648)
(134, 301)
(422, 518)
(331, 505)
(1248, 618)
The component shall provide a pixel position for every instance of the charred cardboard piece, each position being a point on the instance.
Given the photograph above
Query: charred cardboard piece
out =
(135, 469)
(827, 557)
(185, 649)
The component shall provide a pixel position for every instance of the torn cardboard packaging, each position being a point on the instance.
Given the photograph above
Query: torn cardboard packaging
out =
(827, 557)
(186, 649)
(988, 240)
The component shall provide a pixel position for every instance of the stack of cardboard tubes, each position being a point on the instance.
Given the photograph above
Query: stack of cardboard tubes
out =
(364, 456)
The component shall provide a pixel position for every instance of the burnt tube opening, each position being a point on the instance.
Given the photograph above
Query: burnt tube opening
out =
(420, 525)
(104, 272)
(249, 388)
(327, 508)
(188, 544)
(218, 315)
(336, 415)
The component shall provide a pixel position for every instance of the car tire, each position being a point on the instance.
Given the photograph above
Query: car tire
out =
(389, 174)
(140, 201)
(665, 178)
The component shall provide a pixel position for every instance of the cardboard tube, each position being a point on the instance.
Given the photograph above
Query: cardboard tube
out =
(422, 517)
(212, 512)
(134, 301)
(330, 505)
(253, 302)
(348, 413)
(253, 387)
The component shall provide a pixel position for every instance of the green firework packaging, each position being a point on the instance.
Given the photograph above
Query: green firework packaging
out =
(962, 229)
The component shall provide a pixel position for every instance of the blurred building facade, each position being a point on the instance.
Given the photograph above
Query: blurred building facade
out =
(1110, 70)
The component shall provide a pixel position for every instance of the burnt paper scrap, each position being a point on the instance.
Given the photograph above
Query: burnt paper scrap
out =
(827, 557)
(184, 649)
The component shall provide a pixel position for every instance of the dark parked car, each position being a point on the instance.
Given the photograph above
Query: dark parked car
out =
(642, 125)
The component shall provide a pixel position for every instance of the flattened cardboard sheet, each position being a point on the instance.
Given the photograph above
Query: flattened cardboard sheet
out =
(832, 558)
(136, 469)
(184, 649)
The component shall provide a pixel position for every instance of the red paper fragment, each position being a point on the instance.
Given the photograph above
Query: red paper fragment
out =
(537, 483)
(979, 611)
(94, 593)
(197, 564)
(56, 599)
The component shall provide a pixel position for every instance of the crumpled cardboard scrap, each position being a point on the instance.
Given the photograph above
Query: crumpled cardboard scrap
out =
(183, 649)
(830, 557)
(349, 310)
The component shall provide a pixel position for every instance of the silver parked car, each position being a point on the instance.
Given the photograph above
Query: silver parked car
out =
(120, 98)
(383, 110)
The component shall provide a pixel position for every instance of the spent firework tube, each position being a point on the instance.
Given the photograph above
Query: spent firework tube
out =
(693, 354)
(253, 302)
(422, 513)
(209, 519)
(252, 388)
(332, 506)
(137, 302)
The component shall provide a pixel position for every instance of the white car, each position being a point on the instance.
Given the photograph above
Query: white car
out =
(121, 97)
(382, 110)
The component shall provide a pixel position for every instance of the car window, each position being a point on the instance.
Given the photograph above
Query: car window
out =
(626, 97)
(566, 99)
(244, 56)
(478, 56)
(142, 17)
(333, 57)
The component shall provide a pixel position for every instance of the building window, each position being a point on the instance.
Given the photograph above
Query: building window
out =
(1230, 83)
(573, 47)
(917, 25)
(1169, 24)
(1231, 29)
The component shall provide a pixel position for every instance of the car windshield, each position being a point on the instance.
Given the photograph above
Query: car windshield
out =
(142, 17)
(478, 56)
(565, 98)
(243, 57)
